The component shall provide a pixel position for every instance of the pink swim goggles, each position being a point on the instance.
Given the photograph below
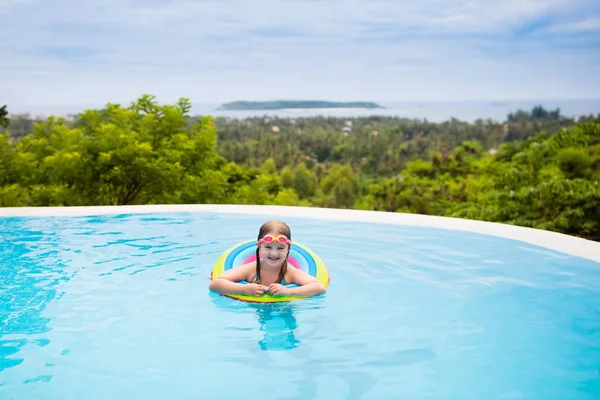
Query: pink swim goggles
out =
(268, 239)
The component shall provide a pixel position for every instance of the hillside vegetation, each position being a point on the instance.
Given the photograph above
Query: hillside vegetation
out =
(536, 169)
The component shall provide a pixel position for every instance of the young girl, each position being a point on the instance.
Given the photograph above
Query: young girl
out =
(270, 272)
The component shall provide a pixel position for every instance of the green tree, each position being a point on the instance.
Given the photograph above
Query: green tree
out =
(287, 178)
(269, 166)
(139, 154)
(4, 121)
(304, 181)
(575, 162)
(341, 186)
(287, 197)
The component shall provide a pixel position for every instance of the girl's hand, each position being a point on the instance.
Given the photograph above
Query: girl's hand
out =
(276, 289)
(254, 289)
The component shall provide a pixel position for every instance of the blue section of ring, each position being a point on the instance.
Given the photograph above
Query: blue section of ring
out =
(312, 265)
(243, 250)
(234, 253)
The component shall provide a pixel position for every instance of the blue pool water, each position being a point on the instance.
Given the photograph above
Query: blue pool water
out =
(117, 307)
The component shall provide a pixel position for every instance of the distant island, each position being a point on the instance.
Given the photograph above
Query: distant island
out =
(287, 104)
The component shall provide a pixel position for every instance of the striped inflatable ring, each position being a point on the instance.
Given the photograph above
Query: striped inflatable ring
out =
(300, 257)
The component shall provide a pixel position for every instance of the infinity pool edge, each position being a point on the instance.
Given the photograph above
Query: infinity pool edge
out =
(548, 239)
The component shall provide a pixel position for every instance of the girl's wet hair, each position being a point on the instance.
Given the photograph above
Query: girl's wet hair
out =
(274, 227)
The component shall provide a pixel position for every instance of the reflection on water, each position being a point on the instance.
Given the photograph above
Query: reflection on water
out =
(277, 322)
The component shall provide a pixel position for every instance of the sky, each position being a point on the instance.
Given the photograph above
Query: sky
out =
(90, 52)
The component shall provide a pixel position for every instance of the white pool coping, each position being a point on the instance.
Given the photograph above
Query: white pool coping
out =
(551, 240)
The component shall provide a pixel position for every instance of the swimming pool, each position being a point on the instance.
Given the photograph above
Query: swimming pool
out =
(116, 305)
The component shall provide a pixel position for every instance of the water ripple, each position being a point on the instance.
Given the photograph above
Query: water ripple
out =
(98, 307)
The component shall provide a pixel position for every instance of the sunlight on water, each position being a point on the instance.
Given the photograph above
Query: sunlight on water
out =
(118, 307)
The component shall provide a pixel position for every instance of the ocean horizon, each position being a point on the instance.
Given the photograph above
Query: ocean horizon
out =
(433, 111)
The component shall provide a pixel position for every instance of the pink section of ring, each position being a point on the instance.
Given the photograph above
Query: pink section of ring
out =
(291, 260)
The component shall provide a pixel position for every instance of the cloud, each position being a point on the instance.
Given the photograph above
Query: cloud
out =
(96, 51)
(6, 5)
(591, 25)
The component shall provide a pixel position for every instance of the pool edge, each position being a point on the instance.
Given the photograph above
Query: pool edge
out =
(552, 240)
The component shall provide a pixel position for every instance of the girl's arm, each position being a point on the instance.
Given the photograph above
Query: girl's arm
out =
(226, 283)
(307, 285)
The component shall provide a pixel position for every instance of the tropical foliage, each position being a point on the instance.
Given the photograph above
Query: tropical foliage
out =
(4, 121)
(537, 169)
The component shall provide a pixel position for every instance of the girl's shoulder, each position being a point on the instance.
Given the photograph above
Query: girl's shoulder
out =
(249, 269)
(298, 277)
(291, 274)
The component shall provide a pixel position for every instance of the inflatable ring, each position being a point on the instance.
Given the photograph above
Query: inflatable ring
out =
(300, 257)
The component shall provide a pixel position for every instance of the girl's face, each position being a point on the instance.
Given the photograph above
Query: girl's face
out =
(273, 254)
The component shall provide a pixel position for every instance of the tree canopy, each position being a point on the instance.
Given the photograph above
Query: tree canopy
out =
(4, 121)
(536, 169)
